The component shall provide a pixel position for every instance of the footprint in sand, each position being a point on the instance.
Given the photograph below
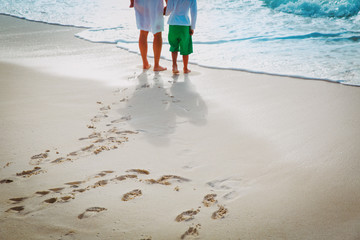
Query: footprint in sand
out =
(74, 153)
(192, 231)
(69, 235)
(66, 198)
(81, 190)
(7, 164)
(105, 108)
(51, 200)
(220, 184)
(29, 173)
(18, 200)
(74, 184)
(38, 158)
(56, 190)
(42, 193)
(60, 160)
(100, 183)
(233, 187)
(187, 215)
(100, 149)
(113, 130)
(139, 171)
(124, 177)
(166, 180)
(126, 132)
(145, 237)
(220, 213)
(122, 119)
(15, 209)
(191, 165)
(131, 195)
(91, 212)
(91, 136)
(84, 149)
(98, 118)
(104, 173)
(6, 181)
(99, 140)
(209, 200)
(232, 195)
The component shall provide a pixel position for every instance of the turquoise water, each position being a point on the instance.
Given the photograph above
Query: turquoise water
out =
(307, 38)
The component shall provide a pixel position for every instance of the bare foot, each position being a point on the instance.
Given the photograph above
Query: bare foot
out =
(145, 67)
(159, 68)
(186, 70)
(175, 69)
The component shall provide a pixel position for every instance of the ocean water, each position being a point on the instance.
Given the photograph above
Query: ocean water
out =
(317, 39)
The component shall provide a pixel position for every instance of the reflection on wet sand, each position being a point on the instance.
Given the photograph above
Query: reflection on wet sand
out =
(164, 104)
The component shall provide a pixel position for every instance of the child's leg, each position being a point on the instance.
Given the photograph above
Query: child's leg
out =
(174, 61)
(174, 42)
(143, 46)
(186, 61)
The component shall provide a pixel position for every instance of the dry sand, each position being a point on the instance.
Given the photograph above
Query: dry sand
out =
(92, 147)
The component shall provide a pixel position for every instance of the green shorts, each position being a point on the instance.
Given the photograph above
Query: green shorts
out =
(180, 39)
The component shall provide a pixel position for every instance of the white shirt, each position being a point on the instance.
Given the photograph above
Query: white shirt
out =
(149, 15)
(179, 12)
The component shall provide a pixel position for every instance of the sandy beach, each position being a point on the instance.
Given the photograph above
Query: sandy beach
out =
(93, 147)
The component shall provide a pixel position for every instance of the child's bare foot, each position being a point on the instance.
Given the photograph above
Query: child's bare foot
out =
(175, 69)
(159, 68)
(186, 70)
(147, 66)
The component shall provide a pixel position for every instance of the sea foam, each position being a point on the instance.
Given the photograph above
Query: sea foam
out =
(317, 8)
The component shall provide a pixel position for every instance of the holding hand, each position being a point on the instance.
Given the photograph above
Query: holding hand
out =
(131, 4)
(191, 32)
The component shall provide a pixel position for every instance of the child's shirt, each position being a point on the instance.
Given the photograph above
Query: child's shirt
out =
(179, 12)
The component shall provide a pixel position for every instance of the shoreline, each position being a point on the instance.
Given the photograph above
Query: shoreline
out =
(93, 147)
(197, 64)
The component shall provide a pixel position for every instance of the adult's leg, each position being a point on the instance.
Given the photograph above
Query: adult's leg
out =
(157, 45)
(143, 46)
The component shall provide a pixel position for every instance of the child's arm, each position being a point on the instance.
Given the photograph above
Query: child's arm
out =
(131, 3)
(193, 12)
(169, 7)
